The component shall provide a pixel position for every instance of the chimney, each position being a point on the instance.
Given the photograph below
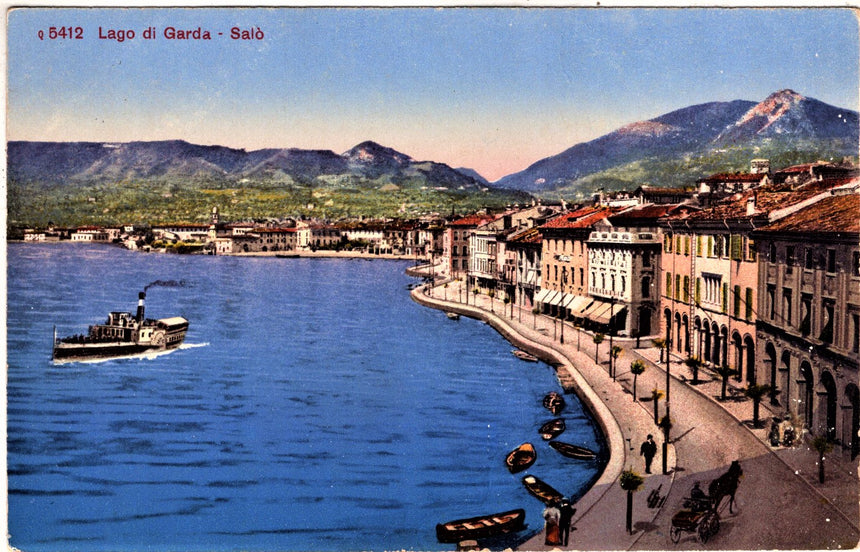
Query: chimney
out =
(140, 306)
(751, 205)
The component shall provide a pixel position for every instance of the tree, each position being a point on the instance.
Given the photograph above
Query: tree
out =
(637, 367)
(446, 290)
(660, 343)
(631, 482)
(756, 393)
(507, 301)
(491, 294)
(694, 363)
(725, 373)
(822, 445)
(535, 312)
(614, 353)
(656, 395)
(598, 339)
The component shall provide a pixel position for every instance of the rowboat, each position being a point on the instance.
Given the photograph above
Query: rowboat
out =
(481, 526)
(543, 491)
(522, 355)
(573, 451)
(452, 315)
(521, 458)
(554, 402)
(552, 429)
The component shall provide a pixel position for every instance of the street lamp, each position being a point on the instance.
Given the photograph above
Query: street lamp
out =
(666, 419)
(611, 332)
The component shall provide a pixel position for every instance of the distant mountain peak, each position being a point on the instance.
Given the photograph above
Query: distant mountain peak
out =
(370, 152)
(773, 107)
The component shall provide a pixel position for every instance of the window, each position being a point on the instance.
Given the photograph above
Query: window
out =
(809, 259)
(736, 247)
(677, 244)
(686, 245)
(646, 258)
(736, 300)
(771, 252)
(725, 298)
(686, 292)
(710, 246)
(855, 336)
(831, 261)
(646, 287)
(805, 314)
(748, 313)
(677, 287)
(668, 284)
(771, 301)
(827, 308)
(667, 244)
(712, 283)
(856, 264)
(789, 255)
(698, 246)
(698, 296)
(786, 305)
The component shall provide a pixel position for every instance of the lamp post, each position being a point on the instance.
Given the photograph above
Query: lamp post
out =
(666, 419)
(611, 332)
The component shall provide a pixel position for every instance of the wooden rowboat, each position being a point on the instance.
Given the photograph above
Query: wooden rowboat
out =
(521, 458)
(481, 526)
(522, 355)
(452, 315)
(543, 491)
(554, 402)
(573, 451)
(552, 429)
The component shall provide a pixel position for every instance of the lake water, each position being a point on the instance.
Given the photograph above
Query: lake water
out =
(314, 406)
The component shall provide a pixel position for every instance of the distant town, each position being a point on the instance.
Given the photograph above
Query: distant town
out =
(754, 273)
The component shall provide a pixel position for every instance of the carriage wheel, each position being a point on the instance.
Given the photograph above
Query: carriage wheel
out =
(675, 534)
(703, 532)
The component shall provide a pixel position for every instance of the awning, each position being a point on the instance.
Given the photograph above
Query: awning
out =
(554, 299)
(541, 295)
(598, 312)
(578, 304)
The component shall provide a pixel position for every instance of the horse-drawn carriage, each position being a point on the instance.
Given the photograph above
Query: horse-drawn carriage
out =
(701, 513)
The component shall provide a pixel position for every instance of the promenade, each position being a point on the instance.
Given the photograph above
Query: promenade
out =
(779, 503)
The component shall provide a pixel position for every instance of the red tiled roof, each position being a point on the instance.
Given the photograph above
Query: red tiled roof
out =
(733, 177)
(276, 230)
(574, 218)
(532, 235)
(471, 220)
(840, 213)
(646, 212)
(767, 198)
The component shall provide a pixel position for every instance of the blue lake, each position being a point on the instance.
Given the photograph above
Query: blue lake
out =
(314, 406)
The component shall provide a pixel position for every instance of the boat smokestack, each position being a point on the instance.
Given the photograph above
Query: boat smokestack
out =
(140, 306)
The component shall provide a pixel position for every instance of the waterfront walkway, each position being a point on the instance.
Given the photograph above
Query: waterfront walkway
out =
(779, 503)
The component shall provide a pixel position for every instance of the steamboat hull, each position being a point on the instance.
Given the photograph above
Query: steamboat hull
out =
(94, 351)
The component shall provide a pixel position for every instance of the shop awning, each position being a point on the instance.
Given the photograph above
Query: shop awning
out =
(554, 299)
(541, 295)
(578, 304)
(598, 312)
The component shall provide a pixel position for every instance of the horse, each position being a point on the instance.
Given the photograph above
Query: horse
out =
(726, 485)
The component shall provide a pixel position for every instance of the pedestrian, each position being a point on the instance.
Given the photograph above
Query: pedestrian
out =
(567, 510)
(648, 450)
(552, 516)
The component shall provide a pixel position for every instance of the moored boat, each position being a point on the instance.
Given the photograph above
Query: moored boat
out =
(521, 458)
(522, 355)
(573, 451)
(554, 402)
(123, 334)
(542, 490)
(552, 429)
(481, 527)
(452, 315)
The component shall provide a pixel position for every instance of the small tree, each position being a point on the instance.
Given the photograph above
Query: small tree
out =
(446, 290)
(725, 373)
(756, 393)
(614, 353)
(660, 343)
(656, 395)
(598, 339)
(535, 312)
(631, 482)
(637, 367)
(491, 294)
(475, 295)
(694, 363)
(822, 445)
(507, 302)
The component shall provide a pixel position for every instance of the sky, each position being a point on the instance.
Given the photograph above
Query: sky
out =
(492, 89)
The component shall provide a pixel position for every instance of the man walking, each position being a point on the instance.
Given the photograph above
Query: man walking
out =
(648, 450)
(567, 511)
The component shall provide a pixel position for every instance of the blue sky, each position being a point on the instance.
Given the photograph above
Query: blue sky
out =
(491, 89)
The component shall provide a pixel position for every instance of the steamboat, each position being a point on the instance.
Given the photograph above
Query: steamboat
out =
(122, 335)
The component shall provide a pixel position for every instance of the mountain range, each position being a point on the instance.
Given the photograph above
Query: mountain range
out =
(723, 134)
(89, 163)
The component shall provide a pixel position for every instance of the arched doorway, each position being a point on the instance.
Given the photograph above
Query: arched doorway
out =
(770, 369)
(785, 370)
(804, 394)
(851, 420)
(827, 393)
(749, 348)
(645, 321)
(685, 323)
(677, 337)
(667, 320)
(707, 340)
(737, 353)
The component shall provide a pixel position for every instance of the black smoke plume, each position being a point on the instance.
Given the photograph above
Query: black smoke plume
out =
(165, 283)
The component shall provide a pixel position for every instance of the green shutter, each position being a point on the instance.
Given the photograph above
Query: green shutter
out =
(686, 289)
(677, 287)
(710, 250)
(668, 284)
(725, 298)
(698, 246)
(749, 309)
(698, 290)
(737, 301)
(735, 244)
(686, 245)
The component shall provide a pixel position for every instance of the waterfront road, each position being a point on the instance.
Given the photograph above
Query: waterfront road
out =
(779, 503)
